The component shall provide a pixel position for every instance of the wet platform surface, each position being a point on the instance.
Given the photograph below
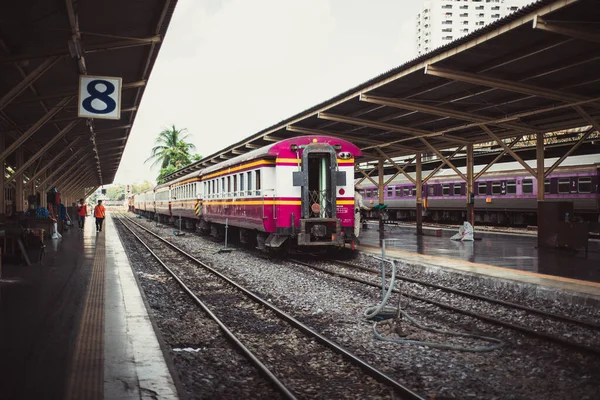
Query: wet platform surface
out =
(76, 326)
(511, 251)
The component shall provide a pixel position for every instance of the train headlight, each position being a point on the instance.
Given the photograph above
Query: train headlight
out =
(345, 155)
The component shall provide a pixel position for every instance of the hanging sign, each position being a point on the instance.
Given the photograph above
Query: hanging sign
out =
(99, 97)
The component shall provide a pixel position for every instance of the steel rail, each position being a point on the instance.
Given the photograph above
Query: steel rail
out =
(247, 352)
(495, 321)
(504, 303)
(372, 371)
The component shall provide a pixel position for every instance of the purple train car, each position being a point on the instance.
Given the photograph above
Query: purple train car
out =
(505, 196)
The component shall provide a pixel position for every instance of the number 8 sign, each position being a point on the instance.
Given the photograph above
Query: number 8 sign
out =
(99, 97)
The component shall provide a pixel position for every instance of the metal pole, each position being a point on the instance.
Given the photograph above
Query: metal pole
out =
(226, 229)
(419, 195)
(383, 269)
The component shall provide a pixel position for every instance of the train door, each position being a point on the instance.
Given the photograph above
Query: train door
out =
(318, 179)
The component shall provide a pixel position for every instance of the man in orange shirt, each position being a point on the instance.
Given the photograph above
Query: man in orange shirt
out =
(99, 213)
(81, 212)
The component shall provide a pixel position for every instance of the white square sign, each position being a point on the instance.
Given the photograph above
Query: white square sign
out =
(99, 97)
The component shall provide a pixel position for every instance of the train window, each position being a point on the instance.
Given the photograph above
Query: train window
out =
(457, 189)
(563, 185)
(223, 187)
(249, 176)
(496, 188)
(527, 186)
(511, 187)
(414, 191)
(235, 189)
(228, 186)
(584, 185)
(257, 174)
(431, 190)
(482, 188)
(242, 184)
(398, 191)
(446, 190)
(390, 191)
(407, 191)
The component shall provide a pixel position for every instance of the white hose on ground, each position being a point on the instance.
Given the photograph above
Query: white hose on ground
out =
(382, 308)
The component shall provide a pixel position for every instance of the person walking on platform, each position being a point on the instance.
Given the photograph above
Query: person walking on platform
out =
(81, 213)
(358, 204)
(100, 214)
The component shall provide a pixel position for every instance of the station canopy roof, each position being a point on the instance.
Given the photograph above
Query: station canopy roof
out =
(45, 45)
(534, 71)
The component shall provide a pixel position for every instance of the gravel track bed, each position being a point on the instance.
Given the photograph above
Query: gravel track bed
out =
(566, 330)
(307, 368)
(468, 284)
(524, 369)
(211, 367)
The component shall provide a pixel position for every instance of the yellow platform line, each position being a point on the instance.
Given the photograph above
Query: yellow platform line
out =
(86, 378)
(489, 267)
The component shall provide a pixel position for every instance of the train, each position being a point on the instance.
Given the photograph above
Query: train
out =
(505, 195)
(296, 194)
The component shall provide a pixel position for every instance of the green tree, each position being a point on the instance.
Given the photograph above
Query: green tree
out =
(164, 172)
(171, 148)
(140, 187)
(116, 192)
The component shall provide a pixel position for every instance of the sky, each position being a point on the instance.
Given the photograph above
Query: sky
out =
(230, 68)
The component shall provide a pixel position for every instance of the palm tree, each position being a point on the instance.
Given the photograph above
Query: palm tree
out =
(171, 148)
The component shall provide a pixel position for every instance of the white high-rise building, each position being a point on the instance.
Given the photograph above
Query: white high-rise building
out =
(442, 21)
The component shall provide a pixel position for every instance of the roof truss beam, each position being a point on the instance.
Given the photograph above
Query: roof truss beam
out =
(498, 157)
(571, 29)
(401, 170)
(357, 139)
(444, 159)
(34, 128)
(92, 48)
(442, 112)
(415, 133)
(367, 175)
(28, 80)
(435, 171)
(508, 150)
(478, 79)
(54, 159)
(40, 152)
(595, 127)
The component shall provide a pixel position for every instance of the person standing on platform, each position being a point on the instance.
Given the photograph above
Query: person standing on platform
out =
(358, 205)
(81, 212)
(100, 214)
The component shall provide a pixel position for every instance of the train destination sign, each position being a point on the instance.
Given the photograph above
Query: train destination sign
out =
(99, 97)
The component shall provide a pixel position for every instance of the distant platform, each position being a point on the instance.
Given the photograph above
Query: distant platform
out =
(507, 256)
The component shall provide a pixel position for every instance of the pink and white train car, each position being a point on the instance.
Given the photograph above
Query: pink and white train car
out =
(297, 191)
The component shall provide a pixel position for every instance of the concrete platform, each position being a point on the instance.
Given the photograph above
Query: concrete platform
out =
(503, 258)
(76, 326)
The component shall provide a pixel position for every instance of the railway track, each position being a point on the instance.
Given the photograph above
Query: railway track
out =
(526, 330)
(222, 299)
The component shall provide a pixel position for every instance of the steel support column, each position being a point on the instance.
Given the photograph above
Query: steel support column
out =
(470, 185)
(2, 176)
(380, 196)
(539, 156)
(19, 192)
(419, 185)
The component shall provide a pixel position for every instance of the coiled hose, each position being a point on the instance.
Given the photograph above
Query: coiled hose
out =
(382, 308)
